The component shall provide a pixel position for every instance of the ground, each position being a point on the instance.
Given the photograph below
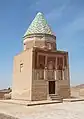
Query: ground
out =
(3, 116)
(66, 110)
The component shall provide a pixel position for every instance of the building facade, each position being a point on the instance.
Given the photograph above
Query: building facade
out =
(41, 70)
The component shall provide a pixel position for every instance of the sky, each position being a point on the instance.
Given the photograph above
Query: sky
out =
(66, 18)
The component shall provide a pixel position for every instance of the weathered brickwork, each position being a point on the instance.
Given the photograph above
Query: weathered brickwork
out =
(39, 90)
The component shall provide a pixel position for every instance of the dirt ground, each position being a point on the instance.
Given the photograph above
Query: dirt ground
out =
(3, 116)
(67, 110)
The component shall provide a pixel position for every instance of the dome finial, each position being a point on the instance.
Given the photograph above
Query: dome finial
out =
(39, 13)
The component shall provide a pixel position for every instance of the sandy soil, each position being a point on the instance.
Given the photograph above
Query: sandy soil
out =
(3, 116)
(68, 110)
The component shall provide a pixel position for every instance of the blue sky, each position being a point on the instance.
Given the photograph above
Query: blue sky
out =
(66, 18)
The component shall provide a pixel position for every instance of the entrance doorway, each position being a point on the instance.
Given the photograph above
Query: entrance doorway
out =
(51, 87)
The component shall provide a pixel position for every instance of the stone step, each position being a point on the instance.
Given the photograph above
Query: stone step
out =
(55, 97)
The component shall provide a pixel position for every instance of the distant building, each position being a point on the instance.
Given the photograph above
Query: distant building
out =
(41, 71)
(4, 92)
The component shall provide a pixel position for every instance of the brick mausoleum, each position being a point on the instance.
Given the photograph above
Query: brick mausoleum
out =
(41, 71)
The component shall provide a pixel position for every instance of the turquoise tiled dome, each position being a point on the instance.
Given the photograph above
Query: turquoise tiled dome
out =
(39, 25)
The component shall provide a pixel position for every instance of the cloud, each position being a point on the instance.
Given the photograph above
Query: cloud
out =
(74, 26)
(40, 5)
(55, 13)
(48, 7)
(69, 33)
(67, 30)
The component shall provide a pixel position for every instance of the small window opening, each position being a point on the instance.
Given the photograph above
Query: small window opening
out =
(21, 67)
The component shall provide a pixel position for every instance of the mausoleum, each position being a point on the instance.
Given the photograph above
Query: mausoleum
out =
(40, 71)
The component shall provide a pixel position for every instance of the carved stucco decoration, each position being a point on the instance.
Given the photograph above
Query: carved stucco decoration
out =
(50, 72)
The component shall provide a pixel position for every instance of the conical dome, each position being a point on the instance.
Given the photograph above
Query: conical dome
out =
(39, 25)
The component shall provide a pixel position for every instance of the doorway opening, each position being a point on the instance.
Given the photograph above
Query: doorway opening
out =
(51, 87)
